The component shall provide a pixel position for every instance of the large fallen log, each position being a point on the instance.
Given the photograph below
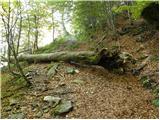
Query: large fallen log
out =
(56, 56)
(106, 58)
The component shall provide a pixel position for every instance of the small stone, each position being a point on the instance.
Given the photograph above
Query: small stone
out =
(52, 71)
(78, 81)
(34, 110)
(92, 92)
(17, 116)
(46, 110)
(63, 107)
(70, 70)
(45, 107)
(76, 71)
(13, 102)
(61, 84)
(7, 109)
(39, 114)
(52, 99)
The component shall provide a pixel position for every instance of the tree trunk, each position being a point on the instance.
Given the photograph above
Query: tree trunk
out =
(35, 45)
(19, 33)
(63, 25)
(53, 25)
(111, 17)
(28, 34)
(105, 58)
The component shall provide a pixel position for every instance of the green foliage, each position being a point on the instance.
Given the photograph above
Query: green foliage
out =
(134, 9)
(146, 81)
(87, 17)
(13, 66)
(155, 102)
(5, 77)
(155, 58)
(52, 46)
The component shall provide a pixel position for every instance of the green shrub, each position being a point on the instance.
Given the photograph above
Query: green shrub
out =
(155, 102)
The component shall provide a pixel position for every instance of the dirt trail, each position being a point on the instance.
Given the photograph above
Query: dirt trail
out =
(101, 95)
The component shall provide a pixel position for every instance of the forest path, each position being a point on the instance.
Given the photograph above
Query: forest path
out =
(97, 93)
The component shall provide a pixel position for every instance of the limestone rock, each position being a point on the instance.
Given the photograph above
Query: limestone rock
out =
(63, 107)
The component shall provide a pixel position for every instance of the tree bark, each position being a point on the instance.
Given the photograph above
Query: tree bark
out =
(106, 58)
(63, 25)
(53, 27)
(28, 34)
(57, 56)
(36, 33)
(19, 32)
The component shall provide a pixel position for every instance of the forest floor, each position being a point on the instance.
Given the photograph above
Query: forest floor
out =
(94, 91)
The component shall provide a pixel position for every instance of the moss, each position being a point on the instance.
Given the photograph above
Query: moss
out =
(155, 58)
(50, 47)
(74, 46)
(93, 59)
(155, 102)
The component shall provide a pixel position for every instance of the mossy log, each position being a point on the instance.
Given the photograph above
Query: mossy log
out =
(106, 58)
(65, 56)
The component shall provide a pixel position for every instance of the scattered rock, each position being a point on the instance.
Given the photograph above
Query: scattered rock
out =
(119, 71)
(62, 84)
(63, 107)
(76, 71)
(78, 81)
(30, 74)
(71, 70)
(17, 116)
(52, 99)
(125, 56)
(13, 102)
(52, 71)
(8, 108)
(39, 114)
(46, 110)
(45, 107)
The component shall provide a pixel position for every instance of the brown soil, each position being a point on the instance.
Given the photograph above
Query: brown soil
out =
(103, 94)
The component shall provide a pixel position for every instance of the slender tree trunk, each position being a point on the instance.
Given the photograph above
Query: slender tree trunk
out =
(111, 17)
(36, 33)
(19, 34)
(63, 25)
(28, 34)
(53, 28)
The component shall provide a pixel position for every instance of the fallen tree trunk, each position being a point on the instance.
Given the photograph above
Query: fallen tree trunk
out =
(57, 56)
(106, 58)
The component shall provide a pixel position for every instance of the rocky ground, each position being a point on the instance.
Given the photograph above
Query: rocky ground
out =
(92, 93)
(62, 90)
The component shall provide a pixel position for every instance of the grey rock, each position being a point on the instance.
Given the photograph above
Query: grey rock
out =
(62, 84)
(39, 114)
(78, 81)
(51, 99)
(17, 116)
(46, 110)
(13, 102)
(63, 107)
(52, 71)
(45, 107)
(9, 108)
